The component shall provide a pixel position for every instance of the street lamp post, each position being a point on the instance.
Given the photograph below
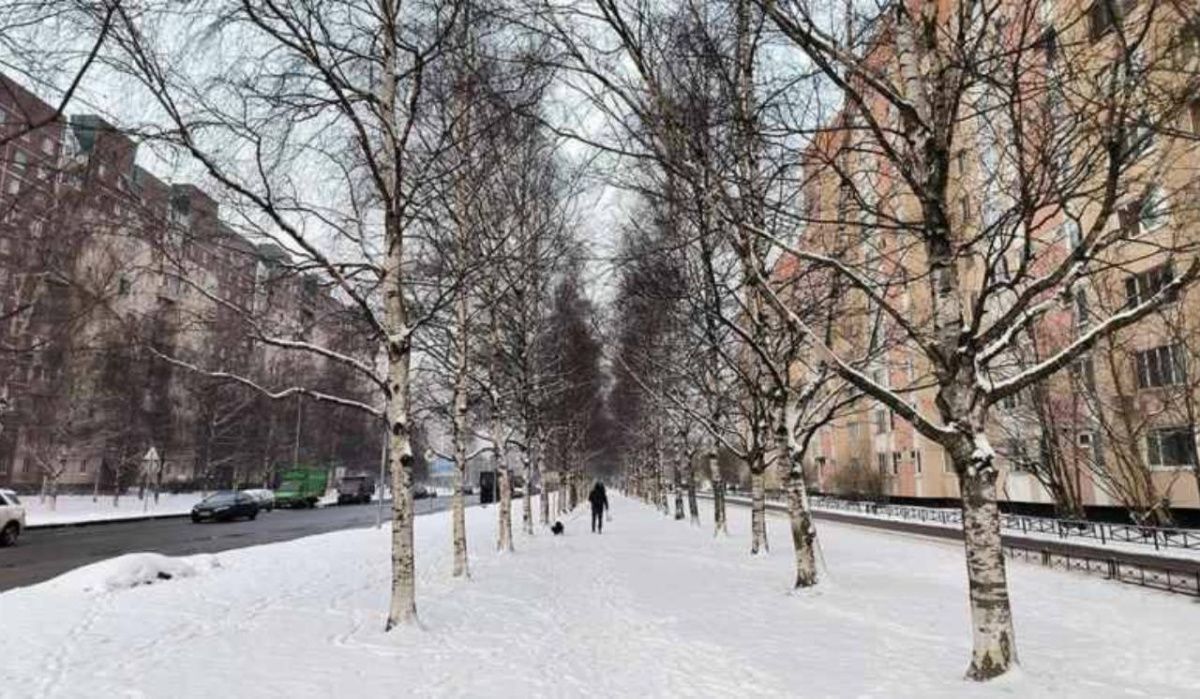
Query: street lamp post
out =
(150, 466)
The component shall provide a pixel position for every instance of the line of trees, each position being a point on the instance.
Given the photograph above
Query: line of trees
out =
(940, 187)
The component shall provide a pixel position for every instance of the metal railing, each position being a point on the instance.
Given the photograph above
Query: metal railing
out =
(1175, 575)
(1104, 532)
(1158, 577)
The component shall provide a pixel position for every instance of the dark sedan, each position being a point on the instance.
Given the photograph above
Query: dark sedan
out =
(225, 506)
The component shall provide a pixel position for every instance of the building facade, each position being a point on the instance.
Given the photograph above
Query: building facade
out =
(107, 274)
(1117, 428)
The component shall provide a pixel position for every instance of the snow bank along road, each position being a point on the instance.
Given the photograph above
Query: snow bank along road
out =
(44, 553)
(653, 607)
(76, 509)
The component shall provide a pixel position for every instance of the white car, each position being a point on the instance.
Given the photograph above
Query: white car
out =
(12, 518)
(265, 498)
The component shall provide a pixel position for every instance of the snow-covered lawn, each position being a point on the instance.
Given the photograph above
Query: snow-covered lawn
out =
(1145, 549)
(652, 608)
(80, 508)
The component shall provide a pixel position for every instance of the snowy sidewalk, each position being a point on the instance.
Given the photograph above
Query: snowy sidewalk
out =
(652, 608)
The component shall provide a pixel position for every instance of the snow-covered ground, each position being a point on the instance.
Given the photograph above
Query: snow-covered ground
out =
(652, 608)
(80, 508)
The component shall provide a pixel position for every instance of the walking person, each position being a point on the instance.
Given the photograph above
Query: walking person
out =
(599, 499)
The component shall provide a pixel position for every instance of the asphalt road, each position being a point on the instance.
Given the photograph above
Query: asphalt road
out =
(45, 553)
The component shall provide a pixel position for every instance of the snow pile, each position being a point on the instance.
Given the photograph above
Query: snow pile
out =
(133, 570)
(80, 508)
(652, 608)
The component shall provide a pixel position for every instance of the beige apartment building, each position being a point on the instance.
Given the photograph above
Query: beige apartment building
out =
(1117, 429)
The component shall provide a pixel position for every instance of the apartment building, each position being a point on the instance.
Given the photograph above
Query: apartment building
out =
(1118, 428)
(105, 271)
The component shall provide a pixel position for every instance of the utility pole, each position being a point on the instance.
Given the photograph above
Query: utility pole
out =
(296, 446)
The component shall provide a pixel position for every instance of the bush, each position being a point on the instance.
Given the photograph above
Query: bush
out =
(859, 482)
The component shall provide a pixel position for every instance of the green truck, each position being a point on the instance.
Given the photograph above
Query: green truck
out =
(301, 487)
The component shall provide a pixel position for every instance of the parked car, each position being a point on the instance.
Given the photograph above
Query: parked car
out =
(12, 518)
(224, 506)
(420, 492)
(264, 497)
(355, 489)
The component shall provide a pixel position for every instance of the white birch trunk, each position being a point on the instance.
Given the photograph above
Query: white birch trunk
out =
(693, 504)
(718, 488)
(758, 512)
(504, 539)
(527, 501)
(679, 514)
(458, 514)
(544, 499)
(403, 606)
(660, 485)
(800, 519)
(994, 645)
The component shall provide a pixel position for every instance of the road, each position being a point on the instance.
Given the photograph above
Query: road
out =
(45, 553)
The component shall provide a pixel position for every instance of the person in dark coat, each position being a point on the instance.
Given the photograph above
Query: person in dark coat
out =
(599, 499)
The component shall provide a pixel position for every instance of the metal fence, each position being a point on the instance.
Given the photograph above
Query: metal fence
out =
(1180, 576)
(1103, 532)
(1144, 574)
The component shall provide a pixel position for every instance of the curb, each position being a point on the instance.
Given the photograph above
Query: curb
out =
(113, 520)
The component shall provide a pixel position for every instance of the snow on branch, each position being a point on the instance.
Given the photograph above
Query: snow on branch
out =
(1001, 389)
(273, 395)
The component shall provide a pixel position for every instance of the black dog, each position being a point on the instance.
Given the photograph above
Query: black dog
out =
(557, 529)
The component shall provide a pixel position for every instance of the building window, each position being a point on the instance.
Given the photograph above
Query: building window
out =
(1173, 446)
(882, 421)
(1139, 137)
(1144, 215)
(916, 459)
(1082, 316)
(48, 145)
(1160, 366)
(882, 459)
(1074, 232)
(895, 463)
(1187, 47)
(1104, 15)
(83, 465)
(1141, 287)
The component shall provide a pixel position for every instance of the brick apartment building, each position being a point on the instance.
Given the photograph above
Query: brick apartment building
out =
(95, 253)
